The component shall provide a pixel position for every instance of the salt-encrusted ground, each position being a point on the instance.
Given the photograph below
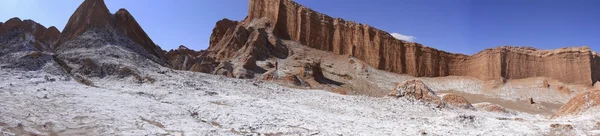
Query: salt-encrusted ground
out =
(188, 103)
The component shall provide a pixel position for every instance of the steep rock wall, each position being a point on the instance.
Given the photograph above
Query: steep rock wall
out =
(379, 49)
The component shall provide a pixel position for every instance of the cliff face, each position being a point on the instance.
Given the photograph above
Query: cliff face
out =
(379, 49)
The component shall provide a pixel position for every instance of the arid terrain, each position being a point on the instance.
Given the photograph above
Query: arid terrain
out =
(284, 70)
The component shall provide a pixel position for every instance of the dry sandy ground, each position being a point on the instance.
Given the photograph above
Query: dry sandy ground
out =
(357, 78)
(188, 103)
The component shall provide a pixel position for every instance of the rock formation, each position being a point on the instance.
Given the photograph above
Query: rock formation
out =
(456, 101)
(492, 108)
(98, 44)
(26, 45)
(43, 37)
(580, 103)
(236, 48)
(292, 21)
(416, 90)
(127, 24)
(182, 58)
(93, 14)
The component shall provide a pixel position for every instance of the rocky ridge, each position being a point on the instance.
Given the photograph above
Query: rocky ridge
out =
(94, 14)
(26, 45)
(44, 37)
(96, 44)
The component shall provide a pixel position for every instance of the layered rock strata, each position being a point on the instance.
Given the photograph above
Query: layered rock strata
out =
(290, 20)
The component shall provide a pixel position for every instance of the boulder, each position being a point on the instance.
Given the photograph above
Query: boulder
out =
(492, 108)
(456, 101)
(202, 67)
(416, 90)
(312, 70)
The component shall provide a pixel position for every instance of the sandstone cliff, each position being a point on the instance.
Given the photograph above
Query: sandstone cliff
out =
(292, 21)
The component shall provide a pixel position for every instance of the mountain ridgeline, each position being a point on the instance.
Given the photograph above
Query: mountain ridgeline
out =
(244, 42)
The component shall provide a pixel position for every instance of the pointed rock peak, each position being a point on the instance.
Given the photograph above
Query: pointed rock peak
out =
(219, 31)
(14, 20)
(27, 25)
(10, 23)
(122, 11)
(182, 47)
(53, 28)
(51, 35)
(89, 13)
(128, 25)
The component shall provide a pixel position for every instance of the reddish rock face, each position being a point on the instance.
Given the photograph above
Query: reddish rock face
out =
(580, 103)
(457, 101)
(220, 29)
(51, 35)
(183, 59)
(89, 13)
(10, 24)
(94, 13)
(492, 108)
(232, 41)
(127, 24)
(379, 49)
(44, 37)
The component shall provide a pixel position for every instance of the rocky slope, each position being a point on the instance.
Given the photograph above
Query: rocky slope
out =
(289, 20)
(96, 44)
(42, 36)
(26, 45)
(93, 14)
(580, 103)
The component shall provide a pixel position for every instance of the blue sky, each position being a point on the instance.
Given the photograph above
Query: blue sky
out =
(460, 26)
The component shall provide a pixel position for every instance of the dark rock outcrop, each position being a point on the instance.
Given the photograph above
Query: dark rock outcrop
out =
(292, 21)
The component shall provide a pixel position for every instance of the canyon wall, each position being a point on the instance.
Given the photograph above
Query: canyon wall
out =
(379, 49)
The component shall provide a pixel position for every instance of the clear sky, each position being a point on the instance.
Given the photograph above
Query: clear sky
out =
(460, 26)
